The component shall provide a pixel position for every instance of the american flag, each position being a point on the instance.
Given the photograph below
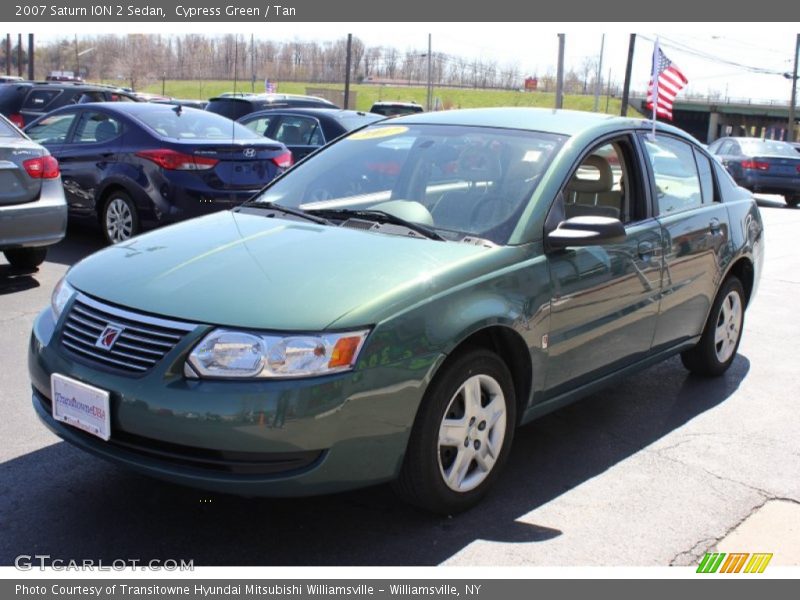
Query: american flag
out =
(269, 86)
(668, 81)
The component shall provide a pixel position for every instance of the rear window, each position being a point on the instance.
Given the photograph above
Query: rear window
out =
(767, 147)
(393, 110)
(191, 124)
(7, 130)
(230, 107)
(354, 121)
(40, 99)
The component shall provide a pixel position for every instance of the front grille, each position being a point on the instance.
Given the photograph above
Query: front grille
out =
(143, 342)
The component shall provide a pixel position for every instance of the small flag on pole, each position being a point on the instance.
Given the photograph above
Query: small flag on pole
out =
(665, 83)
(269, 86)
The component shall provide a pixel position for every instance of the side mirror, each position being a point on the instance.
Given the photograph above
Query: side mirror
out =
(586, 231)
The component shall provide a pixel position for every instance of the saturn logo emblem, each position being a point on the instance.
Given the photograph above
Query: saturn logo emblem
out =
(109, 337)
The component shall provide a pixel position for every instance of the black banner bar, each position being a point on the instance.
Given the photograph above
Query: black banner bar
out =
(419, 11)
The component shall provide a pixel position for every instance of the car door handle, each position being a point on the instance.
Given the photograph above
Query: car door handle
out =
(646, 250)
(714, 226)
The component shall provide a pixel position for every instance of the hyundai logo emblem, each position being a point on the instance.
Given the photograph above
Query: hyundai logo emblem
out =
(109, 336)
(250, 153)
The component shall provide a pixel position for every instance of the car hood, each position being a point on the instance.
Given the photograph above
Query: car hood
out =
(251, 271)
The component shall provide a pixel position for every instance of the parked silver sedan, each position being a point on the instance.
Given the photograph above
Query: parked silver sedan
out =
(33, 211)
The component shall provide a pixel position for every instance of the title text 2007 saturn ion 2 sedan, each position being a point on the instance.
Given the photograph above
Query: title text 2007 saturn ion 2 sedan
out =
(395, 305)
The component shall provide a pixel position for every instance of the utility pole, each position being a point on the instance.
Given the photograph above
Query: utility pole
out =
(77, 58)
(30, 57)
(429, 102)
(790, 135)
(608, 89)
(19, 54)
(252, 63)
(8, 54)
(598, 77)
(626, 87)
(560, 73)
(347, 71)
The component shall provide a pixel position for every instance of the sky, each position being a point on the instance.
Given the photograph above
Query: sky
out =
(728, 58)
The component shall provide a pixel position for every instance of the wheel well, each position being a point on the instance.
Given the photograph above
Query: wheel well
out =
(512, 350)
(743, 270)
(114, 187)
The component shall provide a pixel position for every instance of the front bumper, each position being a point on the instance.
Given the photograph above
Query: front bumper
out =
(271, 438)
(39, 223)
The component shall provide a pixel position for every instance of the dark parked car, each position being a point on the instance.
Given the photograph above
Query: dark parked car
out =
(303, 130)
(399, 302)
(137, 165)
(236, 106)
(767, 166)
(12, 95)
(43, 97)
(395, 109)
(33, 212)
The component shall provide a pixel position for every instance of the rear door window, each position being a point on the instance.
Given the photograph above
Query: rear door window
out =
(675, 173)
(40, 99)
(259, 125)
(7, 130)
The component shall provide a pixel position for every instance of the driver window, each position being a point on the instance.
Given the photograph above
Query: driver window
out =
(597, 187)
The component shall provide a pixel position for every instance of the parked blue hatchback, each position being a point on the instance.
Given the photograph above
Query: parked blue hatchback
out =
(136, 166)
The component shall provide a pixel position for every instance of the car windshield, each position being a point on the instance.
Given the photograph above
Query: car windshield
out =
(459, 181)
(767, 147)
(191, 124)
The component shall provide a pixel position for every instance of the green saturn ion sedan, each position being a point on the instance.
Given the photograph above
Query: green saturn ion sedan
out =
(396, 304)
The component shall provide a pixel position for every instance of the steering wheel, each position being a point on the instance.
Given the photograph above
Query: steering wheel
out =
(479, 163)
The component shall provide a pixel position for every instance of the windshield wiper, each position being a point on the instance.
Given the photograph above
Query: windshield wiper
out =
(378, 216)
(287, 211)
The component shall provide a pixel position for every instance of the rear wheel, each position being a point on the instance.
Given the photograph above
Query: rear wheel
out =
(717, 347)
(462, 435)
(25, 258)
(120, 220)
(792, 201)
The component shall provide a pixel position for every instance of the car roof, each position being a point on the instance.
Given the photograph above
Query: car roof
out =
(558, 121)
(131, 108)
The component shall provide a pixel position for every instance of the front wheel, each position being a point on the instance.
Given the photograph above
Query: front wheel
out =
(461, 436)
(25, 258)
(792, 201)
(717, 347)
(120, 220)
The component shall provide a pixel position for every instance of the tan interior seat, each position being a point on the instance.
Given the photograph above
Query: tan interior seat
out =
(590, 190)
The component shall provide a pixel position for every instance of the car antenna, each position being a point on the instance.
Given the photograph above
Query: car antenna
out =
(178, 109)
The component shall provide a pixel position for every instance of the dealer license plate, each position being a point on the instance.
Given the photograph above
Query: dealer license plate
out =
(80, 405)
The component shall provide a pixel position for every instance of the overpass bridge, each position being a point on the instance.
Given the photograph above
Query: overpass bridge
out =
(708, 120)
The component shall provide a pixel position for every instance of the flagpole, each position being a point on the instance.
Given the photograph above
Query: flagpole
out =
(655, 85)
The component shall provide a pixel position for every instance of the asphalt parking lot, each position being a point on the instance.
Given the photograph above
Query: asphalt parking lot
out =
(653, 472)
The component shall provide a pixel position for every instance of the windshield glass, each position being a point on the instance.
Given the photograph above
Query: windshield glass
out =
(192, 124)
(461, 181)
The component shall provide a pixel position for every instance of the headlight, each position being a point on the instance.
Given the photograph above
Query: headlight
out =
(60, 296)
(224, 353)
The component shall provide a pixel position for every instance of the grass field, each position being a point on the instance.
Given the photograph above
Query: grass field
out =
(366, 94)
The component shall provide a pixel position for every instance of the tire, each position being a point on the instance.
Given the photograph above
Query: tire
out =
(450, 478)
(792, 201)
(719, 343)
(25, 258)
(120, 221)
